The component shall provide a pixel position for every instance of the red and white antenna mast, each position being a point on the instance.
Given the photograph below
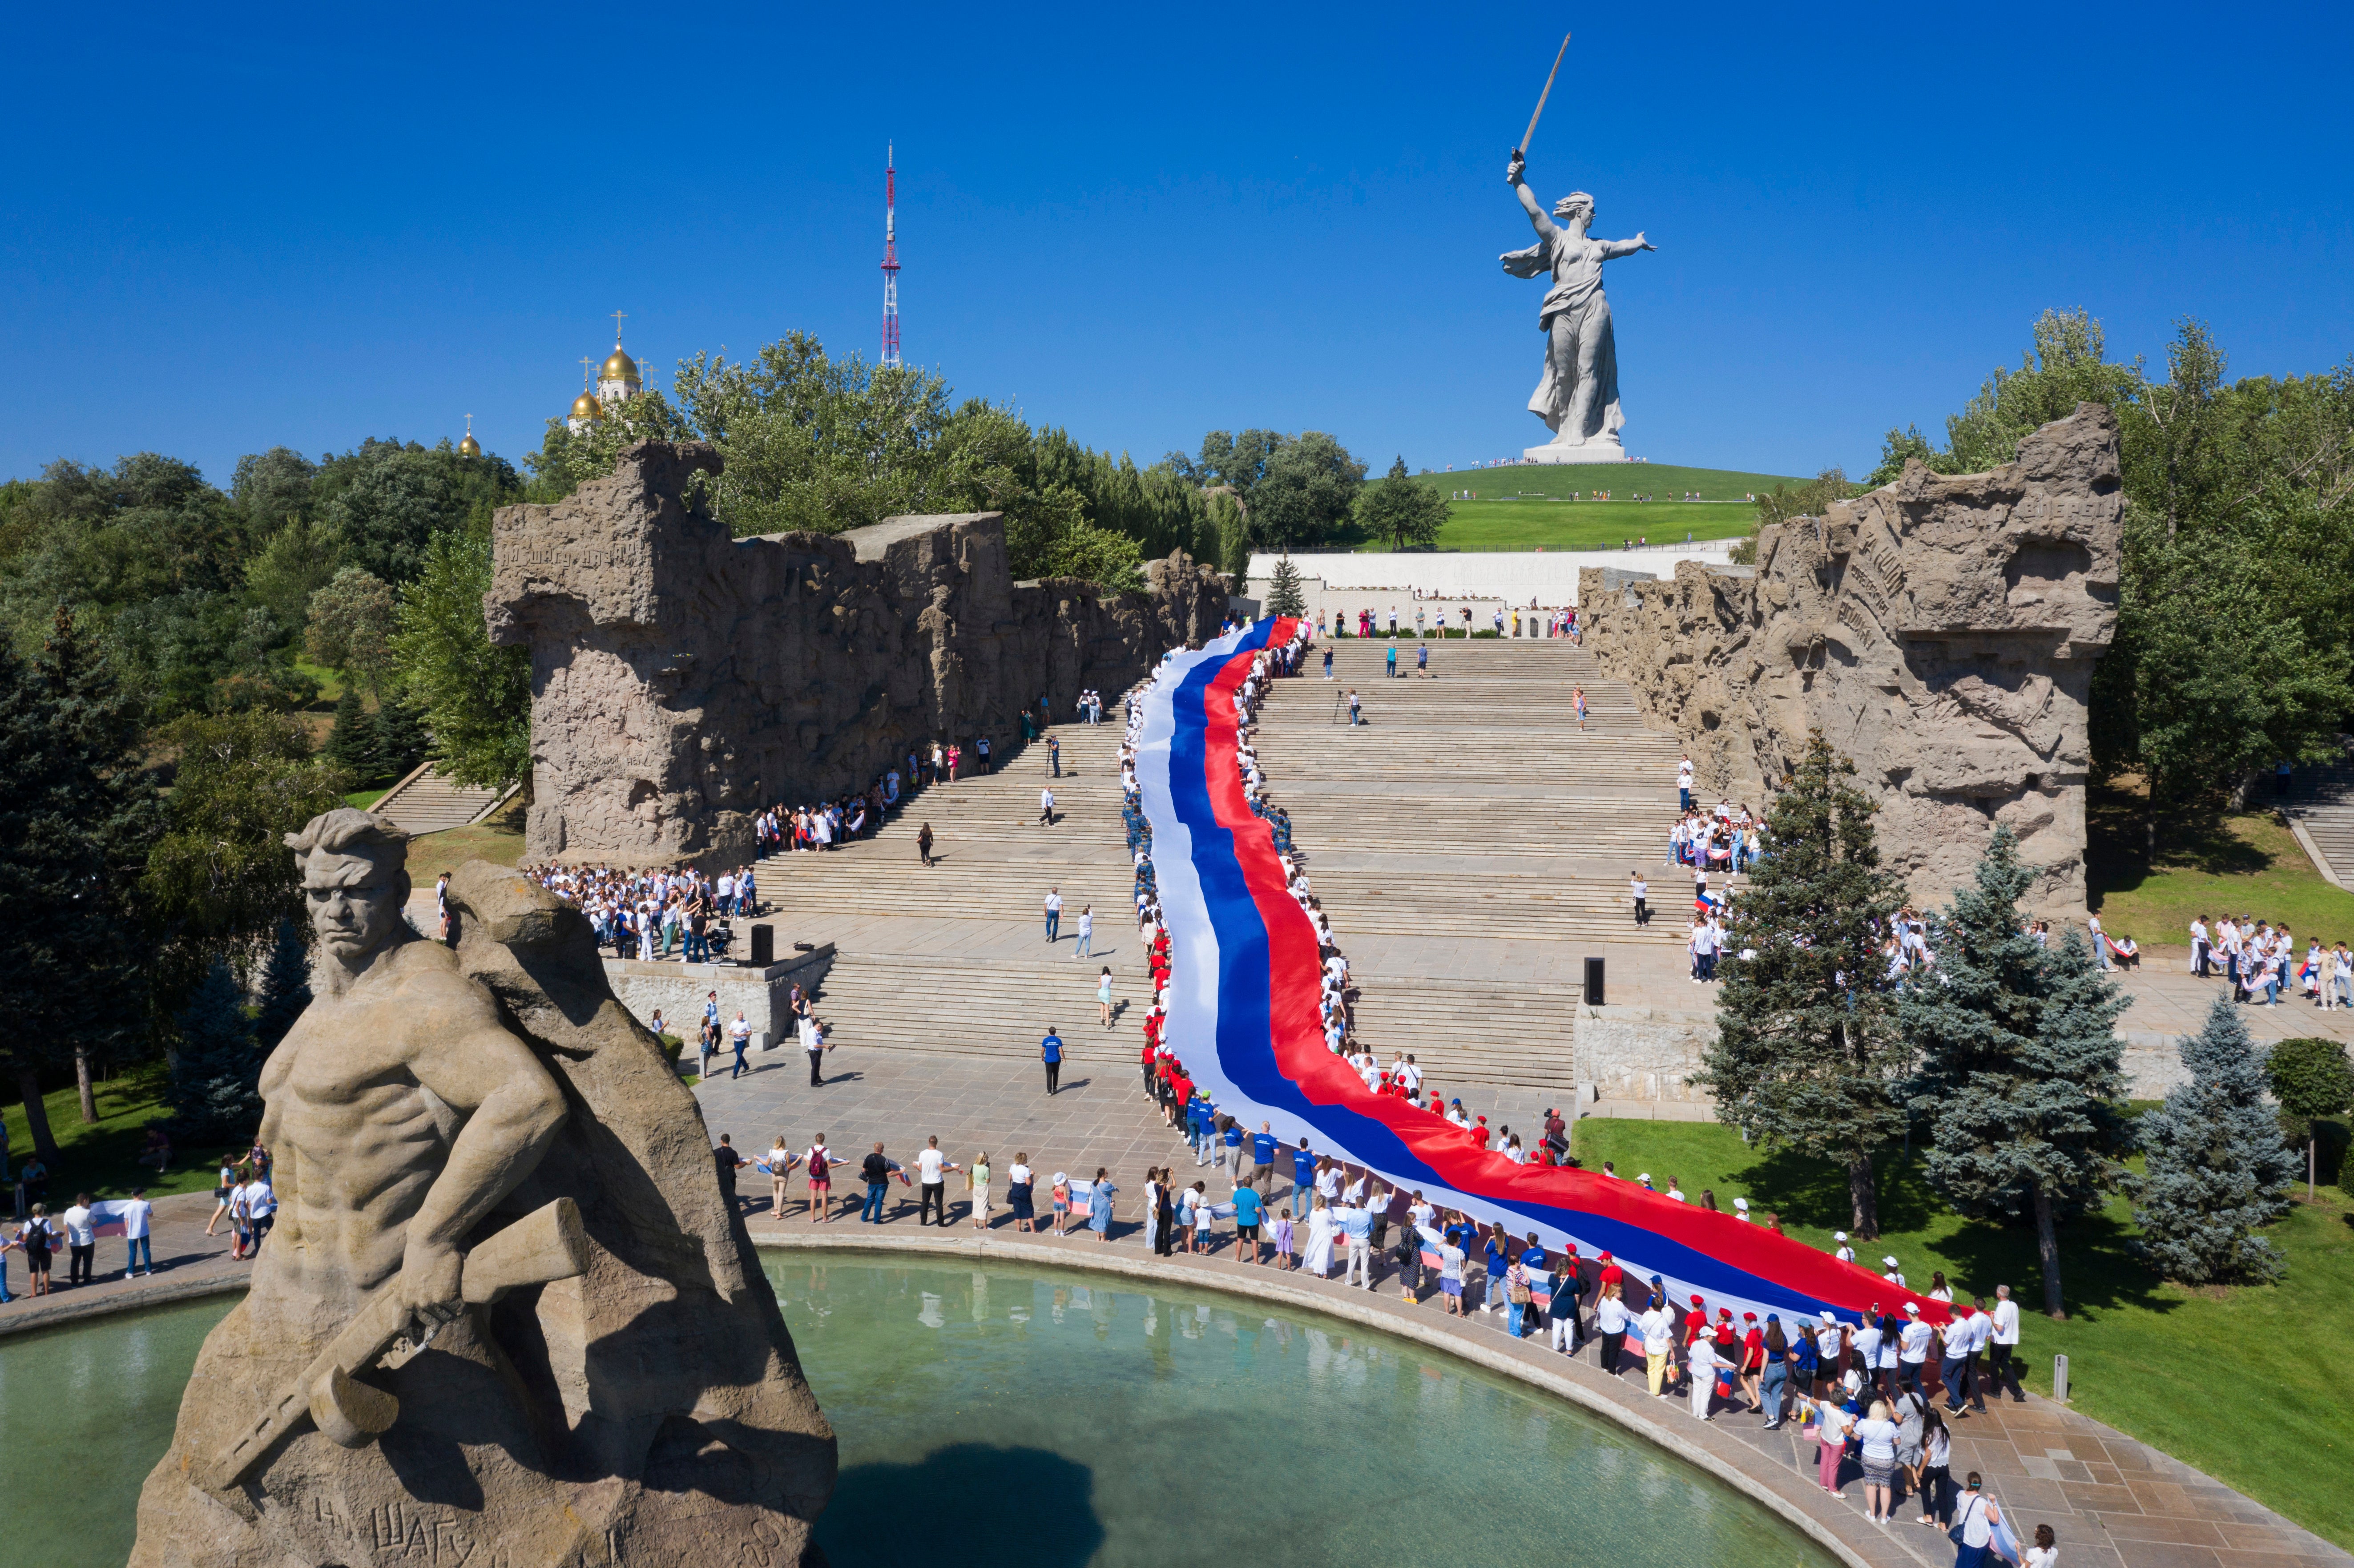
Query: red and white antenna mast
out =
(890, 258)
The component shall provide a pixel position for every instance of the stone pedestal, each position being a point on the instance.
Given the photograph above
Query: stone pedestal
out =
(1601, 449)
(677, 991)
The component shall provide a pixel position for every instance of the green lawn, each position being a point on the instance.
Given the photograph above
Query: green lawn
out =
(498, 840)
(96, 1157)
(1554, 509)
(2236, 1382)
(364, 799)
(2245, 863)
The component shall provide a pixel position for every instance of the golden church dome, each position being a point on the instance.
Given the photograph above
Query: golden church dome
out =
(469, 447)
(618, 366)
(586, 406)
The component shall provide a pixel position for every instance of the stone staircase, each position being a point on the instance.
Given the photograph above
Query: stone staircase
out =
(2320, 810)
(1468, 813)
(1470, 816)
(426, 803)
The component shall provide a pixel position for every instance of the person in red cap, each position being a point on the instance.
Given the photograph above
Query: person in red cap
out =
(1611, 1273)
(1696, 1327)
(1752, 1359)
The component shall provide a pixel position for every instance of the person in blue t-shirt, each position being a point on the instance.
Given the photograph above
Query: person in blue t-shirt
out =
(1264, 1144)
(1050, 1051)
(1249, 1209)
(1231, 1156)
(1303, 1179)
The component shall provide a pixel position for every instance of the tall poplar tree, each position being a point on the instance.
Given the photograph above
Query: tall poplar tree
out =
(1807, 1054)
(2019, 1064)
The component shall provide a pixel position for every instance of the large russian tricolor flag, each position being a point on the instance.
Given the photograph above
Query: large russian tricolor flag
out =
(1244, 1017)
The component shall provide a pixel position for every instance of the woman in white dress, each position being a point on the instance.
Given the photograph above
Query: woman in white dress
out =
(1318, 1259)
(1152, 1210)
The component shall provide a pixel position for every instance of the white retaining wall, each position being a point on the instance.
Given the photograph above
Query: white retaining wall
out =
(1516, 577)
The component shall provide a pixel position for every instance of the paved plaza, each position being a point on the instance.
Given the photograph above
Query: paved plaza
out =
(1471, 845)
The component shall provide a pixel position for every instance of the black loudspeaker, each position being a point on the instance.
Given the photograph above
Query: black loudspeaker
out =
(1593, 978)
(764, 950)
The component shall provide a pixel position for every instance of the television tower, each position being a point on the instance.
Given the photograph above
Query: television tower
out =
(890, 258)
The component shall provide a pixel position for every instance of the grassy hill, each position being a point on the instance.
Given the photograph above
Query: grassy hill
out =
(1555, 508)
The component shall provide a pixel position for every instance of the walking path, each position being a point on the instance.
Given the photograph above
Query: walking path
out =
(2113, 1502)
(187, 1262)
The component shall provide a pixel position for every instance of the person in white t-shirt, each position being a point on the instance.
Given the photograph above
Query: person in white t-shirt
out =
(138, 1215)
(1844, 1253)
(2003, 1363)
(82, 1239)
(1659, 1329)
(1912, 1348)
(931, 1174)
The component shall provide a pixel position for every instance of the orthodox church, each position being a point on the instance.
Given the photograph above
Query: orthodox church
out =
(617, 380)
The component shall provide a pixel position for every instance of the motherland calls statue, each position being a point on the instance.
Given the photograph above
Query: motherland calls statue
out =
(1577, 396)
(506, 1319)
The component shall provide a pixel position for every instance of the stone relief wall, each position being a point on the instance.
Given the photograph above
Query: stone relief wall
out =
(682, 679)
(1942, 630)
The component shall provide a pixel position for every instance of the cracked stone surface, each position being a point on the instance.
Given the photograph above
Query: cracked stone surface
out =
(683, 679)
(1942, 630)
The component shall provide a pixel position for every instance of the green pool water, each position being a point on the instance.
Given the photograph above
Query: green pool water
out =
(1010, 1417)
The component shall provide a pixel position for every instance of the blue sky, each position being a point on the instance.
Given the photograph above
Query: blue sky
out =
(310, 226)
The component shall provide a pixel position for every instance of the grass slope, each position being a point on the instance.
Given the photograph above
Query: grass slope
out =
(2244, 863)
(1532, 508)
(498, 840)
(96, 1157)
(2232, 1381)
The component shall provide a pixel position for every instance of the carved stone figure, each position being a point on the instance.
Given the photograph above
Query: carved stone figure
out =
(506, 1315)
(1577, 395)
(682, 680)
(1942, 630)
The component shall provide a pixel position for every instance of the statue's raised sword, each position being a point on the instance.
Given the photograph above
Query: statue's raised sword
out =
(1522, 150)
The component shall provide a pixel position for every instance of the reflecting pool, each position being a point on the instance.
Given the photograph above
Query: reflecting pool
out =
(1046, 1419)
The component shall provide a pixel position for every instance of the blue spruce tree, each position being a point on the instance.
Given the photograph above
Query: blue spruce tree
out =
(218, 1069)
(2019, 1064)
(2217, 1168)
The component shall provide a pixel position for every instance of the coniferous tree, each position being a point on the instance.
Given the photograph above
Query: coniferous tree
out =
(285, 987)
(1807, 1053)
(216, 1073)
(1283, 594)
(2020, 1063)
(351, 744)
(2216, 1167)
(78, 812)
(400, 738)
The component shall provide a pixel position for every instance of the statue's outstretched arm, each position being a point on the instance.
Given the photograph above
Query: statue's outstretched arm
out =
(1537, 218)
(1613, 249)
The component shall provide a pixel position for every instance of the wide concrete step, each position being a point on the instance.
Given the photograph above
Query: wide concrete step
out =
(426, 803)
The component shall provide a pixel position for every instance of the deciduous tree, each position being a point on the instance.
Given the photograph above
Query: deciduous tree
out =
(2311, 1078)
(1401, 509)
(476, 699)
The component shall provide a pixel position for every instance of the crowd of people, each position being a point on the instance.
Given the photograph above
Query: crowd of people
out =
(1441, 623)
(1880, 1393)
(2260, 962)
(243, 1198)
